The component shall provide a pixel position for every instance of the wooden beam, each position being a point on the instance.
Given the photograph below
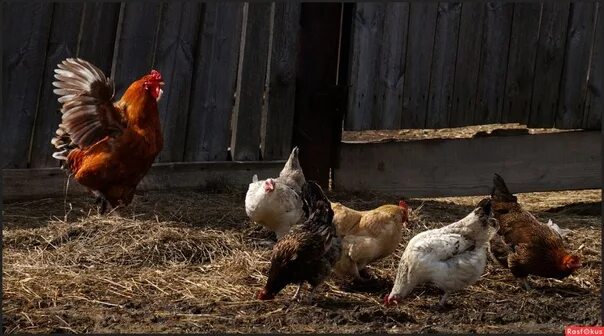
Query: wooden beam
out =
(26, 184)
(461, 167)
(319, 101)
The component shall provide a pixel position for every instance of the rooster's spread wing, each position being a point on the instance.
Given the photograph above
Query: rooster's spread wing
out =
(88, 113)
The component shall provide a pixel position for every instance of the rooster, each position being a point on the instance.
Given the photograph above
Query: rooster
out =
(276, 202)
(525, 245)
(367, 236)
(308, 252)
(107, 146)
(452, 257)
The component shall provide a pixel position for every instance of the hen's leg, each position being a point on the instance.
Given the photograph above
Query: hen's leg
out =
(310, 297)
(296, 296)
(524, 282)
(443, 300)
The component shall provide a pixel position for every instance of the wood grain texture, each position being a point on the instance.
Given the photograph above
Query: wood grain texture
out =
(97, 37)
(391, 67)
(245, 138)
(136, 43)
(62, 43)
(368, 29)
(422, 19)
(493, 63)
(444, 57)
(28, 184)
(521, 63)
(462, 167)
(214, 80)
(548, 64)
(573, 86)
(23, 57)
(594, 106)
(466, 67)
(175, 59)
(277, 139)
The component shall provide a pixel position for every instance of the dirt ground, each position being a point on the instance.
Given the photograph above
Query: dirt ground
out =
(192, 262)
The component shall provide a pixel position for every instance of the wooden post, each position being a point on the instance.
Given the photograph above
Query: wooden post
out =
(319, 100)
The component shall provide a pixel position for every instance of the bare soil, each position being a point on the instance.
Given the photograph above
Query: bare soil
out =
(192, 262)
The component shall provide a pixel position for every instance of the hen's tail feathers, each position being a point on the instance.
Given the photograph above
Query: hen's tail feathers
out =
(293, 162)
(500, 191)
(485, 205)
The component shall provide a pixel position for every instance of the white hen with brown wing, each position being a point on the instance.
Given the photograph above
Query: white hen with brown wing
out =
(452, 257)
(276, 203)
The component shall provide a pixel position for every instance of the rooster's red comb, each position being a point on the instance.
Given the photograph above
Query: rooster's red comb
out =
(155, 75)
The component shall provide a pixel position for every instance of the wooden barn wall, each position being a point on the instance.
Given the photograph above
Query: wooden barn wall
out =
(229, 70)
(436, 65)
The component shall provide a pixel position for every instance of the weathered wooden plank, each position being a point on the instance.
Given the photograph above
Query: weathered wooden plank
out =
(422, 25)
(26, 27)
(493, 62)
(277, 139)
(368, 27)
(175, 58)
(466, 69)
(391, 76)
(521, 63)
(573, 88)
(97, 37)
(459, 167)
(27, 184)
(548, 64)
(444, 57)
(214, 83)
(62, 43)
(245, 139)
(136, 43)
(594, 106)
(319, 103)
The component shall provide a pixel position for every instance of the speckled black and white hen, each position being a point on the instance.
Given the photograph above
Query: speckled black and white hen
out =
(308, 251)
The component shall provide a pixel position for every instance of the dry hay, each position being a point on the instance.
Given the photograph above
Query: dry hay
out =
(192, 262)
(464, 132)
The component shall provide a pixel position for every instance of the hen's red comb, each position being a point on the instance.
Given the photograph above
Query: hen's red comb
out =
(403, 204)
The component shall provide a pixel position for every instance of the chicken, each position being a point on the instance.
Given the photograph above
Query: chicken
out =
(452, 257)
(276, 202)
(108, 146)
(367, 236)
(525, 245)
(308, 252)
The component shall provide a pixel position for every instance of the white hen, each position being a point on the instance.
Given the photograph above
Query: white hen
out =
(277, 203)
(451, 257)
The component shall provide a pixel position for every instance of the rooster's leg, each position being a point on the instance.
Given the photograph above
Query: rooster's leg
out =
(101, 201)
(296, 296)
